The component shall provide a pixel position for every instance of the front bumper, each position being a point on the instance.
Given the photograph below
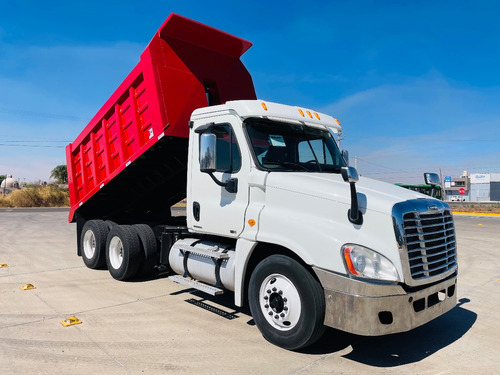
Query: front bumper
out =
(377, 309)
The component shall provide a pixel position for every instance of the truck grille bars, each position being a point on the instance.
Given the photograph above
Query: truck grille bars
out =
(426, 236)
(430, 240)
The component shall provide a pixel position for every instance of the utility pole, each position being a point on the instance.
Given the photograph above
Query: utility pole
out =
(443, 191)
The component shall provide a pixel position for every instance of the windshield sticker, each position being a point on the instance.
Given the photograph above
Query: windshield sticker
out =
(277, 140)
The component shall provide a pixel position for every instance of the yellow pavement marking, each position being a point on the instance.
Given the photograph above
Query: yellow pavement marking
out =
(475, 213)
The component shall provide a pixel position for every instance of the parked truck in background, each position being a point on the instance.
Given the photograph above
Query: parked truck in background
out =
(431, 186)
(274, 214)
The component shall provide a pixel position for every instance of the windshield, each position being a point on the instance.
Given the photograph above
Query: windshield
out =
(279, 146)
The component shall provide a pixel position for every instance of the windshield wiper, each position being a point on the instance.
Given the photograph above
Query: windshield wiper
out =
(315, 157)
(293, 166)
(290, 165)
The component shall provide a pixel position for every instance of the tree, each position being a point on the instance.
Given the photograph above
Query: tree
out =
(60, 173)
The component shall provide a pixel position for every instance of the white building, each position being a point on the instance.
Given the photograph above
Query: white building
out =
(484, 187)
(8, 185)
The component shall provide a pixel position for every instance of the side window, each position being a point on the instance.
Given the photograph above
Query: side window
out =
(228, 154)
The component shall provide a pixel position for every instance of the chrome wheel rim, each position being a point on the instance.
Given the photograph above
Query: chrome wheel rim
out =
(116, 252)
(89, 244)
(280, 302)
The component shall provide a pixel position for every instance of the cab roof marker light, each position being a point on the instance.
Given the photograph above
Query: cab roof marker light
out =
(309, 114)
(264, 106)
(337, 121)
(317, 116)
(253, 108)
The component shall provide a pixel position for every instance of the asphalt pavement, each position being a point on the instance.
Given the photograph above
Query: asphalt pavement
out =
(154, 326)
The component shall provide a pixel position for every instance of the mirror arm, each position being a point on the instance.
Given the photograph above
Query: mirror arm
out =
(354, 214)
(231, 185)
(350, 175)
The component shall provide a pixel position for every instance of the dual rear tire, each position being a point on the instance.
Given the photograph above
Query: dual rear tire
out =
(93, 243)
(125, 250)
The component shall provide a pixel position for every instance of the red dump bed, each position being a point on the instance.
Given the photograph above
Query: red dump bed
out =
(131, 157)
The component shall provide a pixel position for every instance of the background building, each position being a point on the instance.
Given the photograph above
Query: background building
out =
(8, 185)
(495, 187)
(457, 189)
(476, 187)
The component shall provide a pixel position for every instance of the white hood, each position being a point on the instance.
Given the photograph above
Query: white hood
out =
(372, 194)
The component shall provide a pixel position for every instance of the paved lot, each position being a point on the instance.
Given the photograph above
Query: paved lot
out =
(153, 326)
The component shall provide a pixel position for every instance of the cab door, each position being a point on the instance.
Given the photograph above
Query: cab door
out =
(214, 209)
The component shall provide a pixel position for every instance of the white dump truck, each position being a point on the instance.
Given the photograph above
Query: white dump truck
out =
(274, 214)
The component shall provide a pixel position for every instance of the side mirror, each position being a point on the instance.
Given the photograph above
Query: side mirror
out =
(345, 155)
(350, 174)
(208, 148)
(432, 179)
(208, 142)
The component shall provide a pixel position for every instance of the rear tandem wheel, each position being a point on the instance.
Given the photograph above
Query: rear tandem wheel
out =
(123, 252)
(93, 243)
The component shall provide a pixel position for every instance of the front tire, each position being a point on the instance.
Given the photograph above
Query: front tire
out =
(287, 303)
(123, 252)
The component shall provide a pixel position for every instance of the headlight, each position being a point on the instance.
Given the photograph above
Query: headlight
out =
(363, 262)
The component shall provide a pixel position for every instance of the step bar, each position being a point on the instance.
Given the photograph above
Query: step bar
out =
(198, 285)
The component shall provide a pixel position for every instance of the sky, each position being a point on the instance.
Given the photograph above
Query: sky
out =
(415, 84)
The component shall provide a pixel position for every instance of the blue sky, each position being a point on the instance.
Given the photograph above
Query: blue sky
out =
(415, 84)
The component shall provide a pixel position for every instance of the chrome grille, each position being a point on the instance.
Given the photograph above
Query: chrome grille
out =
(431, 245)
(426, 234)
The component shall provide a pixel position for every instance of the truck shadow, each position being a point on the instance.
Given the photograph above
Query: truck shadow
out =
(403, 348)
(380, 351)
(222, 305)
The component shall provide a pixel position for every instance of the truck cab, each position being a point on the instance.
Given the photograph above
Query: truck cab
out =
(270, 177)
(250, 142)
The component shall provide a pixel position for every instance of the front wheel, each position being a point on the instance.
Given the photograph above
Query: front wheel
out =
(287, 303)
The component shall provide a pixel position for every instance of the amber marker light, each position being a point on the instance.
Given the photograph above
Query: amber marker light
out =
(317, 116)
(251, 222)
(301, 112)
(348, 260)
(309, 114)
(337, 121)
(264, 106)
